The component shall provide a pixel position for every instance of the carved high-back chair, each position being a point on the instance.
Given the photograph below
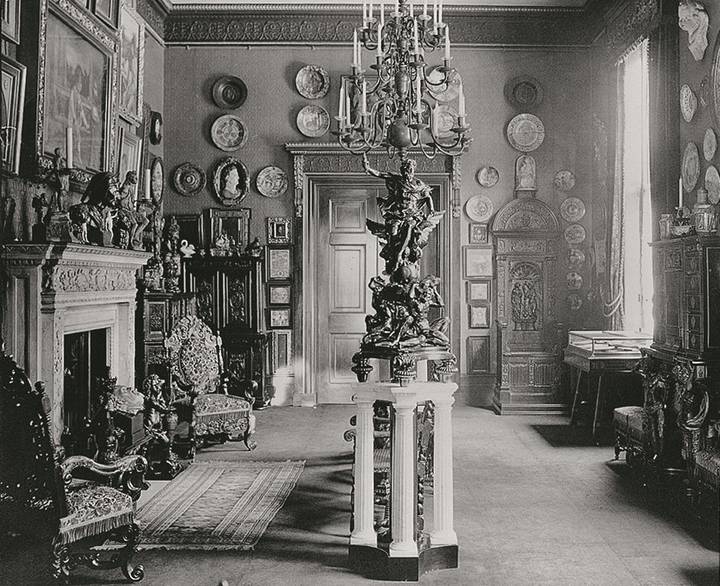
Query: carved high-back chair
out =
(211, 414)
(38, 492)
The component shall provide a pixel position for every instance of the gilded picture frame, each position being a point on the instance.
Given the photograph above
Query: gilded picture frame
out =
(11, 113)
(11, 21)
(279, 263)
(132, 63)
(234, 223)
(192, 229)
(78, 66)
(479, 316)
(478, 291)
(282, 351)
(279, 230)
(279, 318)
(279, 294)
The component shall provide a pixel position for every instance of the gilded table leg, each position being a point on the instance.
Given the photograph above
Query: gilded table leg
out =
(578, 374)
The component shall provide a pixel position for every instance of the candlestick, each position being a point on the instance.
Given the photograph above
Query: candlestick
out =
(341, 106)
(435, 14)
(370, 16)
(415, 37)
(461, 104)
(397, 7)
(440, 13)
(412, 10)
(418, 91)
(365, 18)
(355, 49)
(379, 41)
(69, 147)
(382, 13)
(424, 7)
(447, 45)
(364, 98)
(147, 183)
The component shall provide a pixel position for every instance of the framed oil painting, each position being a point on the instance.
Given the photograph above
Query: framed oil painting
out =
(279, 263)
(78, 61)
(234, 224)
(11, 21)
(132, 50)
(477, 261)
(11, 115)
(279, 294)
(279, 317)
(129, 159)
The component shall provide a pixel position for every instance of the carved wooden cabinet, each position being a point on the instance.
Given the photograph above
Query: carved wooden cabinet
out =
(158, 312)
(229, 298)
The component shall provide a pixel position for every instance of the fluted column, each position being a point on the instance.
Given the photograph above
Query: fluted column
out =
(363, 500)
(402, 520)
(443, 532)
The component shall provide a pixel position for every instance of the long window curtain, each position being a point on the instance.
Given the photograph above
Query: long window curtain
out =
(628, 302)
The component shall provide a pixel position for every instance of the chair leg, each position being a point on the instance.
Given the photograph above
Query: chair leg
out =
(60, 561)
(137, 573)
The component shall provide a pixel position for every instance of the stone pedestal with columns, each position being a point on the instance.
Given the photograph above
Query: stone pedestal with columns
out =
(411, 553)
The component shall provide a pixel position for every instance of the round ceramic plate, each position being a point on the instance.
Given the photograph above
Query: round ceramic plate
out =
(229, 92)
(271, 181)
(525, 132)
(313, 82)
(712, 184)
(564, 180)
(574, 281)
(572, 209)
(690, 166)
(688, 102)
(576, 257)
(488, 176)
(231, 181)
(313, 121)
(443, 90)
(188, 179)
(446, 120)
(574, 234)
(228, 133)
(479, 208)
(524, 91)
(709, 144)
(574, 301)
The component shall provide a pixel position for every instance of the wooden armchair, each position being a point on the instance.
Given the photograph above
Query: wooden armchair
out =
(206, 411)
(39, 490)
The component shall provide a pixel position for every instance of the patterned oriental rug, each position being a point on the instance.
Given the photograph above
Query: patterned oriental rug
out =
(217, 505)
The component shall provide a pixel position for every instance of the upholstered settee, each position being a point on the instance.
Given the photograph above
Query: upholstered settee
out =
(40, 491)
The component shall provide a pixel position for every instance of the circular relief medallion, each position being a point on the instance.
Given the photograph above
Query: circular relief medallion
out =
(188, 179)
(524, 91)
(576, 257)
(228, 132)
(525, 132)
(443, 86)
(564, 180)
(712, 184)
(229, 92)
(690, 166)
(688, 102)
(479, 208)
(575, 234)
(488, 176)
(231, 181)
(574, 301)
(313, 82)
(709, 144)
(574, 280)
(271, 181)
(572, 209)
(313, 121)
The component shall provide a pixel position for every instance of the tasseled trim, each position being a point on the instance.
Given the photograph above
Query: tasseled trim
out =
(94, 527)
(221, 416)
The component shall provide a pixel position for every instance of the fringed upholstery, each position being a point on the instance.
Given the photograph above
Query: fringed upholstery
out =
(628, 421)
(93, 510)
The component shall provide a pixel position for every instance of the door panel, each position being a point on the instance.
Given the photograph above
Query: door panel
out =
(348, 278)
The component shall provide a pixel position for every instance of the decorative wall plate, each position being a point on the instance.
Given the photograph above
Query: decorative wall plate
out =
(313, 82)
(447, 91)
(576, 257)
(488, 176)
(575, 234)
(313, 121)
(564, 180)
(157, 180)
(574, 280)
(524, 91)
(709, 144)
(525, 132)
(712, 184)
(446, 120)
(228, 133)
(231, 181)
(690, 166)
(188, 179)
(479, 208)
(271, 181)
(572, 209)
(715, 81)
(229, 92)
(688, 102)
(574, 301)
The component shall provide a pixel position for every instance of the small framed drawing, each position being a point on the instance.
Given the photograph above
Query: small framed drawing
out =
(478, 233)
(281, 344)
(234, 224)
(279, 294)
(13, 98)
(279, 318)
(279, 263)
(477, 261)
(279, 230)
(478, 316)
(478, 291)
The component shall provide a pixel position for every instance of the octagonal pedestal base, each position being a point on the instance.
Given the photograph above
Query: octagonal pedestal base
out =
(375, 563)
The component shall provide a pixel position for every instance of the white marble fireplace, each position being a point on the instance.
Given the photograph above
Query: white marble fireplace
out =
(58, 289)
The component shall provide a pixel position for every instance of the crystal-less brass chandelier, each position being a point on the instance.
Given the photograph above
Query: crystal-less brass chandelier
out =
(401, 105)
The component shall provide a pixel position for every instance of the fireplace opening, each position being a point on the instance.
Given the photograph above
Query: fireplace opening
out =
(86, 359)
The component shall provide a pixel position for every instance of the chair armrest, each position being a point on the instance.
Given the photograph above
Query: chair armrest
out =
(127, 474)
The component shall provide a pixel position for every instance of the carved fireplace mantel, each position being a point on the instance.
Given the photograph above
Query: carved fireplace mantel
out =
(60, 288)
